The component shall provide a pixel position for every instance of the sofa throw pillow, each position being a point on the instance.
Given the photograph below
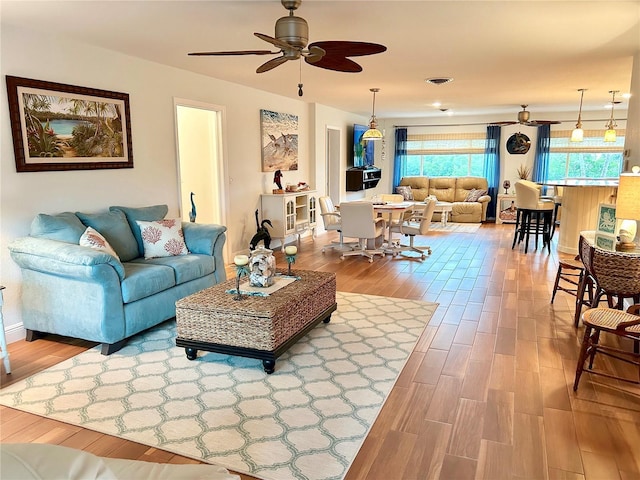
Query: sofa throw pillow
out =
(474, 195)
(145, 214)
(163, 238)
(406, 192)
(65, 227)
(92, 238)
(114, 227)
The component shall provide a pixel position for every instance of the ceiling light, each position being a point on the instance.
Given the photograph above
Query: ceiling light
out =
(436, 104)
(373, 133)
(439, 80)
(578, 134)
(610, 134)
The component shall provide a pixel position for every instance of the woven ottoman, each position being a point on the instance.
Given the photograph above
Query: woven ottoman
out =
(255, 327)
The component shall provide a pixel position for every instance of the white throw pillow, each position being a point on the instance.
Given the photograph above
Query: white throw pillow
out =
(92, 238)
(163, 238)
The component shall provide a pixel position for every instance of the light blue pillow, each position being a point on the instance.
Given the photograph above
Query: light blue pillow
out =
(114, 227)
(65, 227)
(144, 214)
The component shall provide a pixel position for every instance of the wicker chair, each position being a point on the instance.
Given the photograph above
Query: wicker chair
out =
(607, 320)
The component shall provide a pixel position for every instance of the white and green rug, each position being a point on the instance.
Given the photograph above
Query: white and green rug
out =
(305, 421)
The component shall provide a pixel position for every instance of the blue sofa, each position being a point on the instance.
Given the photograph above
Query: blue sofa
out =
(77, 291)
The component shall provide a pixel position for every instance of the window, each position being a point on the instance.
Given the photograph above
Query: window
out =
(592, 158)
(445, 154)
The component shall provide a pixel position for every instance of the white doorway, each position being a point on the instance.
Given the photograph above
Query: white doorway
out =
(201, 165)
(333, 174)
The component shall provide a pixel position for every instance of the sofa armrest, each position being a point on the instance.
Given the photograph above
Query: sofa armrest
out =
(62, 258)
(207, 239)
(484, 201)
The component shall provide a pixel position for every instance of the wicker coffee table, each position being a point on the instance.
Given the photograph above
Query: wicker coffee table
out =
(255, 327)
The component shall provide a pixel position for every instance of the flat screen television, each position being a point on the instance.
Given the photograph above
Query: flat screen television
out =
(363, 150)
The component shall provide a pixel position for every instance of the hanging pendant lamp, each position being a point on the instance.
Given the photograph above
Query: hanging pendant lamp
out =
(578, 134)
(610, 133)
(373, 133)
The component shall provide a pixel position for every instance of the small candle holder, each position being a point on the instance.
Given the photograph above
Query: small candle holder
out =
(290, 255)
(506, 184)
(242, 270)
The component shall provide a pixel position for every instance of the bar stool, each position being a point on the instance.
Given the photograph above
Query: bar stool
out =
(607, 320)
(571, 272)
(557, 200)
(533, 215)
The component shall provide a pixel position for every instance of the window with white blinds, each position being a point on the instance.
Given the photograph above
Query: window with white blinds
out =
(591, 158)
(445, 154)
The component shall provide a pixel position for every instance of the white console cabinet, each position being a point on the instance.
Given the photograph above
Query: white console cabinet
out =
(291, 213)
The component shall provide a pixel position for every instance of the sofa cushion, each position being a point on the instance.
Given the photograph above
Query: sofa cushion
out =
(474, 195)
(145, 214)
(65, 227)
(443, 188)
(163, 238)
(405, 191)
(91, 238)
(185, 267)
(144, 279)
(465, 184)
(114, 227)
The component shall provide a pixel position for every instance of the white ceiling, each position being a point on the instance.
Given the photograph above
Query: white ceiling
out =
(500, 53)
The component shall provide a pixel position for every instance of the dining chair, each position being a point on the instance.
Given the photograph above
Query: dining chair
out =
(358, 221)
(623, 325)
(417, 224)
(533, 215)
(332, 221)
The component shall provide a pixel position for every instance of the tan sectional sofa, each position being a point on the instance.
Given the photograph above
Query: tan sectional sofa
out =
(453, 190)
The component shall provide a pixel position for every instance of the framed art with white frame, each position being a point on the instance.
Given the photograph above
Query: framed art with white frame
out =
(606, 223)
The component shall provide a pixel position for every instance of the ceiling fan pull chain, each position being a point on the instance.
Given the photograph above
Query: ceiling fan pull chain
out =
(300, 92)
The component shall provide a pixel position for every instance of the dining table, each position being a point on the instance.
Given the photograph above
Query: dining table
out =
(390, 209)
(580, 201)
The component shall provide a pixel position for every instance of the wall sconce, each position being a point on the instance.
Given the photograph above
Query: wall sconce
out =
(578, 134)
(373, 133)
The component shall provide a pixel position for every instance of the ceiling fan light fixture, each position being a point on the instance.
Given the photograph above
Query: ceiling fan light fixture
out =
(578, 134)
(610, 133)
(373, 133)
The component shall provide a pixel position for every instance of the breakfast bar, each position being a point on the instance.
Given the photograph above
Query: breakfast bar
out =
(580, 202)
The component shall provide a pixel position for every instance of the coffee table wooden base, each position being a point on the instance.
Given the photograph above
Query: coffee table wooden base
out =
(268, 357)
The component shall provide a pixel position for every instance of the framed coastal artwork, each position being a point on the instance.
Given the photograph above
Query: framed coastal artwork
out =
(279, 141)
(66, 127)
(606, 219)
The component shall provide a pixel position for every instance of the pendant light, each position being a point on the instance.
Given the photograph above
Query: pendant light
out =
(578, 134)
(373, 133)
(610, 134)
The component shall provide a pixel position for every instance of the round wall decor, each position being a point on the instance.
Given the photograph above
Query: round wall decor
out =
(518, 144)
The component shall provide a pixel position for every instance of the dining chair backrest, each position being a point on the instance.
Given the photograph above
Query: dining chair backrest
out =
(527, 194)
(616, 273)
(427, 214)
(358, 220)
(330, 217)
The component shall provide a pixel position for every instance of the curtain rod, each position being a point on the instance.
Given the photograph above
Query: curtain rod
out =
(491, 123)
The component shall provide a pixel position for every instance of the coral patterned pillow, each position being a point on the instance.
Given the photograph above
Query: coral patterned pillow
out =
(92, 238)
(163, 238)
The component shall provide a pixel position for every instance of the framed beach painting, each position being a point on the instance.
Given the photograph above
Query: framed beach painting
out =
(66, 127)
(279, 141)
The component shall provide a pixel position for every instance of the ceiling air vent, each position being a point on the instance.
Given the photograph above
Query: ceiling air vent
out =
(439, 80)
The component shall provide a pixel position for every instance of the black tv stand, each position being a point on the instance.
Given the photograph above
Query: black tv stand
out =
(362, 178)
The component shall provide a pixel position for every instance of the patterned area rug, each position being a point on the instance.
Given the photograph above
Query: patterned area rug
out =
(307, 420)
(455, 227)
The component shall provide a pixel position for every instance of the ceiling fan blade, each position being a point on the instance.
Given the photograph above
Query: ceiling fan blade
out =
(236, 52)
(337, 63)
(271, 64)
(274, 41)
(536, 123)
(349, 49)
(501, 124)
(314, 55)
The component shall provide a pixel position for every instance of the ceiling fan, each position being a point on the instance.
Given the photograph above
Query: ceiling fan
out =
(523, 119)
(291, 37)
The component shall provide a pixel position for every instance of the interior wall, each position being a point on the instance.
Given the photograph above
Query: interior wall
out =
(154, 178)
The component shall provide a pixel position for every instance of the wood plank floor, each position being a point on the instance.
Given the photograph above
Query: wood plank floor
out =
(487, 393)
